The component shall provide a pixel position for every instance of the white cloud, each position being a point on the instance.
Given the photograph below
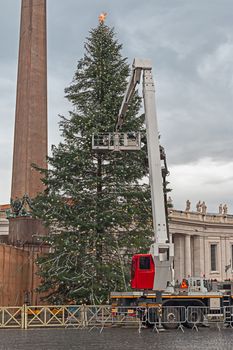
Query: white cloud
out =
(206, 180)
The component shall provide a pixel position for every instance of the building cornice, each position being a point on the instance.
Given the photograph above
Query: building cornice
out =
(187, 218)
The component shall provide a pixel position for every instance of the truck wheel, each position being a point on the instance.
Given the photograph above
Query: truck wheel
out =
(170, 318)
(195, 317)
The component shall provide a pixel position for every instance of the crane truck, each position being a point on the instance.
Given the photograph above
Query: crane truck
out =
(152, 280)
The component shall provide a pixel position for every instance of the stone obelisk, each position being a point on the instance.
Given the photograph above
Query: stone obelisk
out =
(30, 138)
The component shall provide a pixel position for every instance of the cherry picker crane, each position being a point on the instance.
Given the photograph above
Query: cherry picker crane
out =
(160, 260)
(152, 273)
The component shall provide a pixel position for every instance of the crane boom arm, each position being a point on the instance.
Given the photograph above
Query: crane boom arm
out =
(144, 66)
(134, 80)
(161, 250)
(137, 67)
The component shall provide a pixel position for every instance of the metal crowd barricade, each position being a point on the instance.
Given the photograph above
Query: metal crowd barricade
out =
(170, 317)
(199, 315)
(153, 317)
(12, 317)
(54, 316)
(173, 317)
(103, 316)
(228, 316)
(129, 316)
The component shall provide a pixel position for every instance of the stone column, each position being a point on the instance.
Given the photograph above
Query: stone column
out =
(198, 259)
(179, 262)
(202, 256)
(30, 138)
(188, 266)
(222, 259)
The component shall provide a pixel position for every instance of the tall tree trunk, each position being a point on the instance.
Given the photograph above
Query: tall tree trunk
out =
(99, 231)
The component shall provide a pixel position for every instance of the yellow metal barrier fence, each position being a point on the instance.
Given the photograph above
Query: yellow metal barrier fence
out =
(12, 317)
(54, 316)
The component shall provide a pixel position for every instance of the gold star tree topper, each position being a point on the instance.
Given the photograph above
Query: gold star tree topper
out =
(102, 17)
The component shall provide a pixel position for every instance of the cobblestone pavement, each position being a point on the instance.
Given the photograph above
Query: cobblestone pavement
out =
(115, 339)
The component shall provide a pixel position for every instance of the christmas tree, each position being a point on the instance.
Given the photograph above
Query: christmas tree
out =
(96, 206)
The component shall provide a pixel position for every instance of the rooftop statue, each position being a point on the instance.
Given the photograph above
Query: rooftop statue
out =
(198, 206)
(188, 205)
(225, 209)
(220, 209)
(203, 208)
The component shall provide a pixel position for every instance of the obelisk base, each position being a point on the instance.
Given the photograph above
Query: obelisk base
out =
(25, 230)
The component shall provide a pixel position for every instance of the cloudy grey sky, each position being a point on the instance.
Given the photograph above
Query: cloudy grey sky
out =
(191, 45)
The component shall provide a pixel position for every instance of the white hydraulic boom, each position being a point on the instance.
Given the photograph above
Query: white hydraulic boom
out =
(161, 250)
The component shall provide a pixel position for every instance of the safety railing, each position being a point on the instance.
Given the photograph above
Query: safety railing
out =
(54, 316)
(128, 141)
(168, 317)
(97, 316)
(134, 316)
(198, 316)
(228, 315)
(102, 316)
(105, 316)
(12, 317)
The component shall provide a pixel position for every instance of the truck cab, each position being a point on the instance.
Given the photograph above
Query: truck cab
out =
(142, 272)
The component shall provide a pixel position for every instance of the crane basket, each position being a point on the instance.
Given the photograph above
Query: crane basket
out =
(117, 141)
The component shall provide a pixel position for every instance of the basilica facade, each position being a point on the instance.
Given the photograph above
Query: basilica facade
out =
(203, 244)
